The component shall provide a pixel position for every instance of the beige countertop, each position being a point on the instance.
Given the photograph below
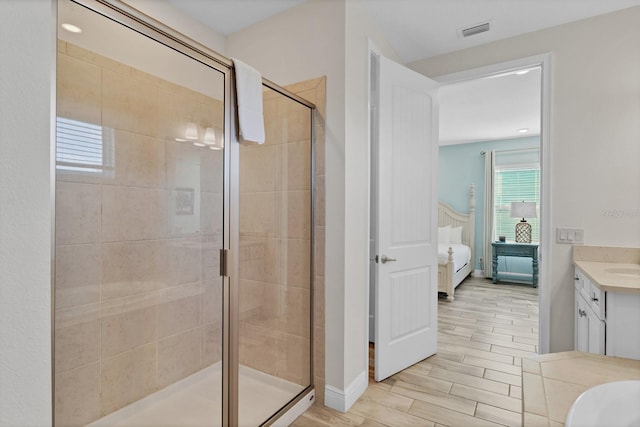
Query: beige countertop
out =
(552, 382)
(601, 275)
(598, 261)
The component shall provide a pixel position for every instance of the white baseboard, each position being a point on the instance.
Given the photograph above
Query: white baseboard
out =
(478, 273)
(343, 400)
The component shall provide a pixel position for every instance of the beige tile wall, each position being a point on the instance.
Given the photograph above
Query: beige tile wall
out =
(275, 230)
(137, 292)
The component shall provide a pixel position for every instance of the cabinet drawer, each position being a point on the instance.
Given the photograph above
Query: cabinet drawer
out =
(582, 284)
(513, 251)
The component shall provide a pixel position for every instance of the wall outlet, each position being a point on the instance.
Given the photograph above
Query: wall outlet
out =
(570, 235)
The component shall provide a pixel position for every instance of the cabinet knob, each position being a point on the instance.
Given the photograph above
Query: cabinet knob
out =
(582, 313)
(576, 278)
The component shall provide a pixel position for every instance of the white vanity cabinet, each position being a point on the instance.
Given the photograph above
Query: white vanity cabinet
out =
(606, 322)
(589, 320)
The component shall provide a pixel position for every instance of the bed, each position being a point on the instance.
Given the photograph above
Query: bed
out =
(456, 245)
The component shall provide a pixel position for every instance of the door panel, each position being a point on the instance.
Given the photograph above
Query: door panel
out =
(407, 151)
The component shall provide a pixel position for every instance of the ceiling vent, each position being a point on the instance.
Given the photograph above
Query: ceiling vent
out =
(475, 29)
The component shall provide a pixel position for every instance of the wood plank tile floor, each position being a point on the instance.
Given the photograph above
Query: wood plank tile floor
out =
(473, 380)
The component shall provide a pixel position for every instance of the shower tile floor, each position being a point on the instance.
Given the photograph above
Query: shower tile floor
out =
(197, 401)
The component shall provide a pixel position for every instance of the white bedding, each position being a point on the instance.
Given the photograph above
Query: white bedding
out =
(461, 255)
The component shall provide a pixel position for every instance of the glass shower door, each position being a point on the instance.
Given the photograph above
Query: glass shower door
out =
(274, 284)
(139, 226)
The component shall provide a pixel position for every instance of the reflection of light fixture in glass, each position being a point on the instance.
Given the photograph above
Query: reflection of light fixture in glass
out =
(211, 140)
(191, 132)
(523, 130)
(71, 28)
(219, 145)
(210, 136)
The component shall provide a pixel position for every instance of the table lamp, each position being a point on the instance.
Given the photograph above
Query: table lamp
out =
(523, 228)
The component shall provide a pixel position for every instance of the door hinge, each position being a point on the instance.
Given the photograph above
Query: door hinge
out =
(224, 259)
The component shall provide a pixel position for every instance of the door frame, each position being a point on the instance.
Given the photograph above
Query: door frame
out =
(372, 52)
(544, 61)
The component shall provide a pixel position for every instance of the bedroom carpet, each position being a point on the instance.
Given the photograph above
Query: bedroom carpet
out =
(473, 380)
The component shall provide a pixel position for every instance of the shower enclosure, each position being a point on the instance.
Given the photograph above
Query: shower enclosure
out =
(183, 291)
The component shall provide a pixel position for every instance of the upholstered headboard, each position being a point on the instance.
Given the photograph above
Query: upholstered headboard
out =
(449, 216)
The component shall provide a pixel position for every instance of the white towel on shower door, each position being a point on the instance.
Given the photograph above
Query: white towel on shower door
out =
(249, 98)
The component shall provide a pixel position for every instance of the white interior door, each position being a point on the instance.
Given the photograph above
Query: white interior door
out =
(406, 216)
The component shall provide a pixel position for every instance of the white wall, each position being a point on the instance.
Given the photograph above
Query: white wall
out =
(595, 134)
(26, 85)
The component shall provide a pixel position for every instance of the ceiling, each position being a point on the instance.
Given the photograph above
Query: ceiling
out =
(483, 110)
(491, 108)
(229, 16)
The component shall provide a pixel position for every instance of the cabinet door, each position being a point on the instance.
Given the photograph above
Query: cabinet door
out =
(623, 318)
(596, 329)
(589, 329)
(581, 335)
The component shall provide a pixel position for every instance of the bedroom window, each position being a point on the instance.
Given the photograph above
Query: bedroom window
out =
(515, 184)
(84, 148)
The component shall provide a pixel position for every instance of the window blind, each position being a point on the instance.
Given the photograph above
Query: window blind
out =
(80, 147)
(516, 184)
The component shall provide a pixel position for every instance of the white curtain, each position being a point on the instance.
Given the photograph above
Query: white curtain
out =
(489, 169)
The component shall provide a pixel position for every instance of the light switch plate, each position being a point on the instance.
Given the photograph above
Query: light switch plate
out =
(570, 235)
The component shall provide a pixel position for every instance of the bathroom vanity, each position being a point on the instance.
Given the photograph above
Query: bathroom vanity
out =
(607, 336)
(607, 301)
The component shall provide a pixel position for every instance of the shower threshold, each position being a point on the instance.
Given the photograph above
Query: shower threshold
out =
(197, 401)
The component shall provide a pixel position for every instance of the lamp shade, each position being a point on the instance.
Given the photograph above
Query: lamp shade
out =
(523, 210)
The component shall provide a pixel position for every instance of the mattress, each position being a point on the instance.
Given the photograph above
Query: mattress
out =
(461, 255)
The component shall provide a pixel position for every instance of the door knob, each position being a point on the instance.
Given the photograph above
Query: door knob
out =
(386, 259)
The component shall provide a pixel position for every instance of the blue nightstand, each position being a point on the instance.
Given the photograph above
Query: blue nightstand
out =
(526, 250)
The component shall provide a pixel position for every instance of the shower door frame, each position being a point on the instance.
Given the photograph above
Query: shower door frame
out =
(229, 261)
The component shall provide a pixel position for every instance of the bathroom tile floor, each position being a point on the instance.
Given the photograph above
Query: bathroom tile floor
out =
(473, 380)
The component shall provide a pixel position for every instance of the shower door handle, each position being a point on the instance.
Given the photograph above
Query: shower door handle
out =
(384, 259)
